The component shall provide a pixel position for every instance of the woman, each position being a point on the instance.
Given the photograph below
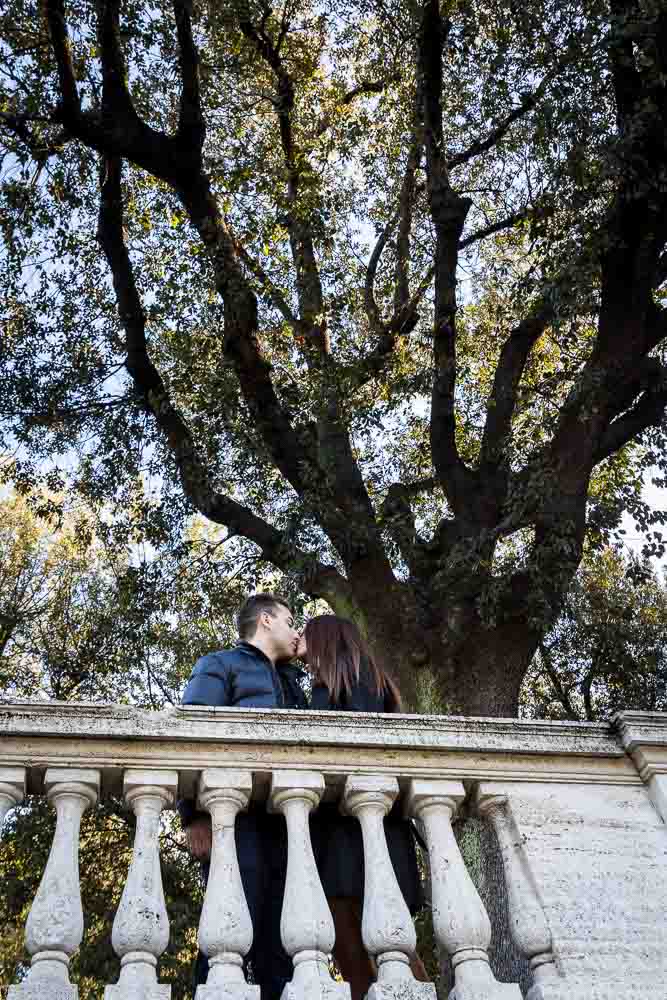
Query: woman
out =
(348, 678)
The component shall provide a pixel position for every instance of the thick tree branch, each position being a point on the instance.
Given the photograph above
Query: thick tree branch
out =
(116, 98)
(586, 687)
(648, 411)
(335, 451)
(626, 79)
(511, 364)
(541, 210)
(403, 320)
(299, 223)
(406, 205)
(122, 134)
(369, 87)
(191, 126)
(500, 131)
(240, 337)
(365, 87)
(397, 516)
(372, 310)
(339, 500)
(633, 237)
(448, 211)
(272, 294)
(40, 148)
(317, 578)
(55, 15)
(118, 131)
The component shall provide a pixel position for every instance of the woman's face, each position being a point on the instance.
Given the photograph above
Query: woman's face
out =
(301, 648)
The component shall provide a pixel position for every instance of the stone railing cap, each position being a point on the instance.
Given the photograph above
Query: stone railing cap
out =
(88, 720)
(637, 729)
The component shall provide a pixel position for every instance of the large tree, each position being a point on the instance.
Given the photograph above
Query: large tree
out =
(386, 292)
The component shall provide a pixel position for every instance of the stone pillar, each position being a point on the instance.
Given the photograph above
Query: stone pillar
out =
(12, 789)
(387, 927)
(54, 928)
(141, 928)
(644, 736)
(460, 920)
(306, 924)
(528, 923)
(225, 928)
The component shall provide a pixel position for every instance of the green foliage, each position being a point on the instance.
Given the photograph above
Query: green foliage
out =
(87, 616)
(368, 306)
(608, 649)
(106, 832)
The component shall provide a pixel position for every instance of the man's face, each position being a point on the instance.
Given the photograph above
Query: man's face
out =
(283, 633)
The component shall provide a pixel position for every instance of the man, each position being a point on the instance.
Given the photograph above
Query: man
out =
(254, 674)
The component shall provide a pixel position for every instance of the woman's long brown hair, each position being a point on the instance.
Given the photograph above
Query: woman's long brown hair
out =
(336, 649)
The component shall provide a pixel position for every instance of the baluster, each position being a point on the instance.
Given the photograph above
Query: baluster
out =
(460, 921)
(225, 928)
(528, 923)
(12, 789)
(54, 928)
(306, 925)
(141, 927)
(387, 927)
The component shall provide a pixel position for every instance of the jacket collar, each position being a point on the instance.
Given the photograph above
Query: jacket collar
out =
(248, 647)
(283, 666)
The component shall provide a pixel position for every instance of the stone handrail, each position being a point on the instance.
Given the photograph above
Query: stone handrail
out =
(579, 811)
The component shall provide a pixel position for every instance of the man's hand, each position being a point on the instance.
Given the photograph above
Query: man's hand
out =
(198, 837)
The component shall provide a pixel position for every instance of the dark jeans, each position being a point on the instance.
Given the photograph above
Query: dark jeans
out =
(261, 846)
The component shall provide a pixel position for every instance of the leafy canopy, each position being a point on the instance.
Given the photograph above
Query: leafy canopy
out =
(377, 286)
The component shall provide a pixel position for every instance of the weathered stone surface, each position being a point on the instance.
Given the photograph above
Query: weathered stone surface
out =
(141, 927)
(125, 992)
(232, 991)
(306, 924)
(589, 803)
(527, 921)
(203, 724)
(47, 991)
(312, 981)
(54, 928)
(644, 736)
(599, 860)
(191, 739)
(386, 926)
(12, 789)
(405, 990)
(460, 921)
(225, 928)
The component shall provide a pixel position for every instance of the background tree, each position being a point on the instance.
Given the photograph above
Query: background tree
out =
(608, 649)
(87, 620)
(105, 849)
(91, 616)
(387, 291)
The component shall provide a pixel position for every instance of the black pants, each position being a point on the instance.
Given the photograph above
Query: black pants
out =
(261, 846)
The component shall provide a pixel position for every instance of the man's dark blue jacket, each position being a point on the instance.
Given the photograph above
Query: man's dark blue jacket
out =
(244, 677)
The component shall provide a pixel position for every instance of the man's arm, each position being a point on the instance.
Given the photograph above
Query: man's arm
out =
(209, 684)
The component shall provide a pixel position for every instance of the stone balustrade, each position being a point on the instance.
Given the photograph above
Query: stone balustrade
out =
(579, 812)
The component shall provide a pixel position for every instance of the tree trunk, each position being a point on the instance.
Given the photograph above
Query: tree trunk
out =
(482, 678)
